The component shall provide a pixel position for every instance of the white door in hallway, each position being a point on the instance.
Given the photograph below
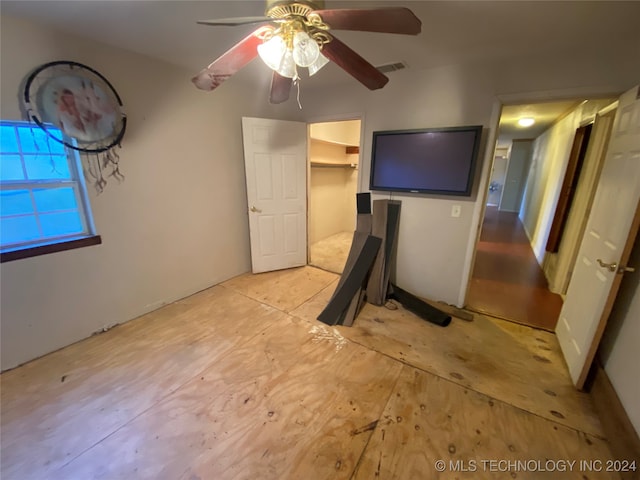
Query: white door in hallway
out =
(605, 248)
(275, 157)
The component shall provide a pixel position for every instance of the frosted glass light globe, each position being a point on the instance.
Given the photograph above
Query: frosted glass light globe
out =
(305, 49)
(318, 64)
(272, 51)
(287, 67)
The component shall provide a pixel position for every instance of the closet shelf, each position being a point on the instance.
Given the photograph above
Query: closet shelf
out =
(349, 149)
(334, 165)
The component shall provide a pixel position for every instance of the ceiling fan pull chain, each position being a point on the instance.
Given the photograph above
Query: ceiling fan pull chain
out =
(296, 82)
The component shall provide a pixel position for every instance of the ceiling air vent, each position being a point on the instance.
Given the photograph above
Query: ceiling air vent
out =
(391, 67)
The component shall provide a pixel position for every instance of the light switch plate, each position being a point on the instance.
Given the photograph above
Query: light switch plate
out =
(456, 210)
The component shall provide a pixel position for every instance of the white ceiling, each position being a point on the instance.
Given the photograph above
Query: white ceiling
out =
(452, 31)
(544, 114)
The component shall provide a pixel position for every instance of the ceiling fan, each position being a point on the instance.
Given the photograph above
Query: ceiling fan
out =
(296, 34)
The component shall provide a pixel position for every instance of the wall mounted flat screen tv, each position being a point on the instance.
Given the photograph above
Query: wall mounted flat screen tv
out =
(433, 160)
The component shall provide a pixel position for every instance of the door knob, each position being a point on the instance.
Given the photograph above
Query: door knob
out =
(612, 267)
(254, 209)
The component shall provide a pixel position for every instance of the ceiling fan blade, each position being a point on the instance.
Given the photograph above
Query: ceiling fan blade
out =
(383, 20)
(229, 62)
(280, 88)
(232, 22)
(354, 64)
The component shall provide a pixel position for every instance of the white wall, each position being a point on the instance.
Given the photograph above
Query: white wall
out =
(550, 157)
(346, 132)
(176, 225)
(619, 347)
(546, 172)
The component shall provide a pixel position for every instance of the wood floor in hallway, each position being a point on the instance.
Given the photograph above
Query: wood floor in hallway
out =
(507, 281)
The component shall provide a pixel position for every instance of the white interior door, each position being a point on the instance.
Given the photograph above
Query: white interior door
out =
(605, 248)
(275, 158)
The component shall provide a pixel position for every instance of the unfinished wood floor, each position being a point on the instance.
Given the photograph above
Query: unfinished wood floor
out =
(241, 382)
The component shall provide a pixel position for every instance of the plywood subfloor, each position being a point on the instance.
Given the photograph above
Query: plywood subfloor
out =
(494, 357)
(240, 382)
(430, 419)
(282, 289)
(331, 253)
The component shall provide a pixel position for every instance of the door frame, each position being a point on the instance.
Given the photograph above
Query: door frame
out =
(344, 117)
(598, 144)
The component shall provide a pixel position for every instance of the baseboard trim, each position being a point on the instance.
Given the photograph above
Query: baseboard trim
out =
(623, 439)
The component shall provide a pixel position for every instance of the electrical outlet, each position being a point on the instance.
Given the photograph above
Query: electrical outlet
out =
(456, 210)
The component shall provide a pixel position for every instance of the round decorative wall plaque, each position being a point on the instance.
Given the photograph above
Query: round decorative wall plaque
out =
(82, 104)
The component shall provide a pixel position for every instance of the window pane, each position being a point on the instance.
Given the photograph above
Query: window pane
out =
(42, 195)
(15, 202)
(55, 146)
(45, 167)
(19, 229)
(35, 140)
(50, 199)
(11, 168)
(8, 140)
(67, 223)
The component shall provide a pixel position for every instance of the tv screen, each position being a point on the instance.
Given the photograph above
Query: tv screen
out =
(433, 160)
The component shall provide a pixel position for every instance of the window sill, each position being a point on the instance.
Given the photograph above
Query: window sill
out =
(34, 251)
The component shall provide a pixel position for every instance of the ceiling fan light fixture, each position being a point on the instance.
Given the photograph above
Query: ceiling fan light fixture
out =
(305, 49)
(526, 121)
(290, 47)
(272, 52)
(287, 66)
(295, 33)
(318, 64)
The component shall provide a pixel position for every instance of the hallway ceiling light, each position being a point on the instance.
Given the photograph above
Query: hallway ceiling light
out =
(526, 122)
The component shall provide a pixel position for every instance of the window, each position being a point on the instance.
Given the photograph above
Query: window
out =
(43, 198)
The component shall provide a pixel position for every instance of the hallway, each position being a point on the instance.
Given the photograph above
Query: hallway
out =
(507, 281)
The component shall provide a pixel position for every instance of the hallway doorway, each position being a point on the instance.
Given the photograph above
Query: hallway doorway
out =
(514, 276)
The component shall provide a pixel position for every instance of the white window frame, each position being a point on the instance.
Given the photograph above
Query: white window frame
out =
(76, 182)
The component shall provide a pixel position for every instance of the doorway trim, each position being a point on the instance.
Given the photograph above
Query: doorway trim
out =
(481, 201)
(344, 117)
